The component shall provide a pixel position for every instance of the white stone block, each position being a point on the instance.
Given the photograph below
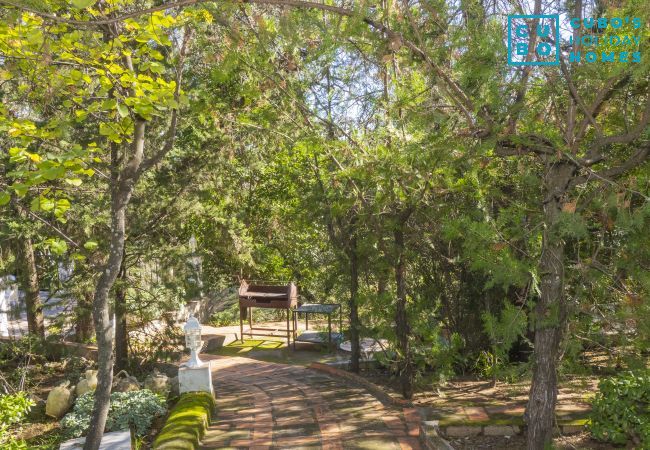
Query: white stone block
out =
(115, 440)
(4, 307)
(196, 379)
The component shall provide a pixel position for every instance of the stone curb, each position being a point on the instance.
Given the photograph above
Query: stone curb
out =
(375, 390)
(469, 429)
(430, 436)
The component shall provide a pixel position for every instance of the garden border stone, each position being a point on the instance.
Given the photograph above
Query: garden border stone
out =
(186, 423)
(114, 440)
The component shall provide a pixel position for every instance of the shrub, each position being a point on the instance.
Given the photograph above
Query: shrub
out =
(504, 331)
(228, 316)
(186, 423)
(13, 409)
(27, 347)
(135, 409)
(621, 409)
(152, 345)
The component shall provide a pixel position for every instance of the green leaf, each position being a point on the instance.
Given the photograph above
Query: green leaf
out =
(73, 181)
(57, 246)
(41, 203)
(62, 205)
(78, 256)
(122, 110)
(81, 4)
(20, 189)
(90, 245)
(52, 173)
(4, 198)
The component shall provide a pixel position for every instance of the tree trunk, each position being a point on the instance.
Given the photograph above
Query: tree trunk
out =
(29, 285)
(121, 332)
(354, 307)
(549, 315)
(84, 319)
(120, 196)
(401, 320)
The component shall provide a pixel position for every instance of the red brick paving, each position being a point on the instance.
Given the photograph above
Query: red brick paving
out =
(264, 405)
(476, 413)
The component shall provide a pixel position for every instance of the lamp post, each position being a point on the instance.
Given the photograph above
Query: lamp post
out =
(193, 341)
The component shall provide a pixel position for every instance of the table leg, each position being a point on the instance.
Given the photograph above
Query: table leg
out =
(295, 328)
(329, 330)
(241, 325)
(250, 322)
(306, 321)
(288, 330)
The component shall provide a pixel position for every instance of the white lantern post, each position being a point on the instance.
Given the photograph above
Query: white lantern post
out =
(193, 341)
(194, 375)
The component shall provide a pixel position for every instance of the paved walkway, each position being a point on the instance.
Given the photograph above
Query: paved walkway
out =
(265, 405)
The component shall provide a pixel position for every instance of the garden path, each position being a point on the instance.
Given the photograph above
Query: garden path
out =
(264, 405)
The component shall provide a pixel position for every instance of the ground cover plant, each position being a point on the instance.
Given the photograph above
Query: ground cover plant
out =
(133, 410)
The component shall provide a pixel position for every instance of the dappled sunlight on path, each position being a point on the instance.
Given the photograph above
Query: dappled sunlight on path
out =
(270, 405)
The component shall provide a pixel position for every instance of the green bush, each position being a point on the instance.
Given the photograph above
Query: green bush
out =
(186, 423)
(13, 409)
(27, 347)
(621, 409)
(226, 317)
(135, 409)
(503, 330)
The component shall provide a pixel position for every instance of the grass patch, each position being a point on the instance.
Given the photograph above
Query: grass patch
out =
(238, 348)
(574, 422)
(186, 423)
(518, 421)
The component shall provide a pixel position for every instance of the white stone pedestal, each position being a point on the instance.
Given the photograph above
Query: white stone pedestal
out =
(4, 307)
(196, 379)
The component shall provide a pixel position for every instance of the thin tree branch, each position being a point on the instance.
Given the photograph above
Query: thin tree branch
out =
(601, 97)
(55, 228)
(576, 97)
(607, 175)
(518, 145)
(594, 155)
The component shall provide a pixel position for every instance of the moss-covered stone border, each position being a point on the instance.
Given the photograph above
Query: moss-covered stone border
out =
(187, 422)
(456, 429)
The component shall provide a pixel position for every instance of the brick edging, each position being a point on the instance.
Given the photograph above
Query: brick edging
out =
(375, 390)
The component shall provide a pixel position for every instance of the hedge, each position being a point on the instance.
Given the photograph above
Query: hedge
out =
(621, 409)
(186, 423)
